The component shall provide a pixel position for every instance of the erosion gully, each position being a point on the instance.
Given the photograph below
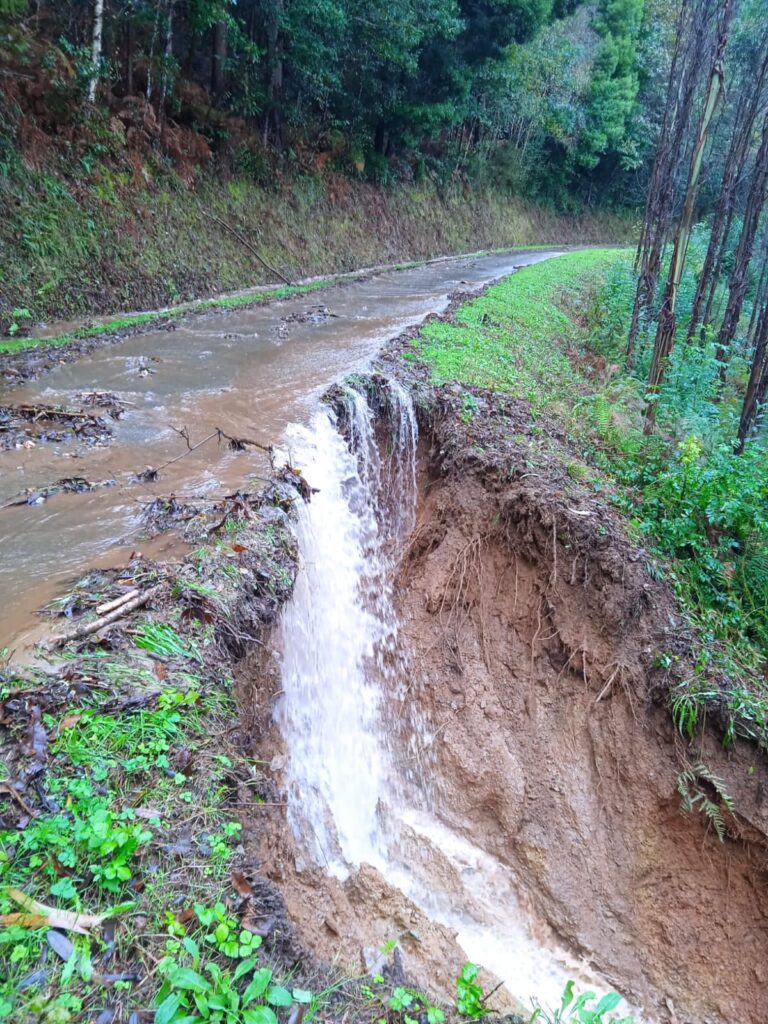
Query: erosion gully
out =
(358, 775)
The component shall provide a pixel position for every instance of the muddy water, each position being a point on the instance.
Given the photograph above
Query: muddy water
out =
(360, 769)
(251, 372)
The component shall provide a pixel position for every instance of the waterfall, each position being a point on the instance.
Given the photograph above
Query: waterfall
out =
(340, 647)
(357, 746)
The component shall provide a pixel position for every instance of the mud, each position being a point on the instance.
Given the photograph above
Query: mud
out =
(534, 626)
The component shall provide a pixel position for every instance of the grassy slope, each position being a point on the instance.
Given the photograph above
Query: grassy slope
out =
(107, 240)
(538, 336)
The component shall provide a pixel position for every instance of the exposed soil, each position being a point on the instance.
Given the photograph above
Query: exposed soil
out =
(534, 626)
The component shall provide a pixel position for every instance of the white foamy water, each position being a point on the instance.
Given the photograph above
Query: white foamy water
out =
(354, 795)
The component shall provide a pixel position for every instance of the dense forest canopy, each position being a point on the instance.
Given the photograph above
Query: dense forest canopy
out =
(547, 96)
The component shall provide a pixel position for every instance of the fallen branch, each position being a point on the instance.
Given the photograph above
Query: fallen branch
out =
(106, 620)
(110, 606)
(11, 792)
(247, 244)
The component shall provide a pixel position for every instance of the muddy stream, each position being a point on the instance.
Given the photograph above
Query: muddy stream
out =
(251, 372)
(358, 766)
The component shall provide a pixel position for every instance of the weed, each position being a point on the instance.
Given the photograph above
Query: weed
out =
(163, 640)
(576, 1009)
(696, 785)
(469, 994)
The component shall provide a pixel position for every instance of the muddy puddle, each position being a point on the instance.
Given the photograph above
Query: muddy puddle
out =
(248, 372)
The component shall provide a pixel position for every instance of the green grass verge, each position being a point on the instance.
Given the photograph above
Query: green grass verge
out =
(119, 324)
(554, 335)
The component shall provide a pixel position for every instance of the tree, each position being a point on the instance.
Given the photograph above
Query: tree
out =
(665, 333)
(739, 278)
(98, 29)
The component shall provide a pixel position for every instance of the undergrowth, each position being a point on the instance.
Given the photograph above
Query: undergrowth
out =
(554, 335)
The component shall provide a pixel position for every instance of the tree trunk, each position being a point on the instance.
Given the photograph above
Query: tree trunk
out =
(758, 382)
(98, 29)
(690, 51)
(739, 279)
(665, 334)
(726, 204)
(129, 47)
(273, 127)
(219, 58)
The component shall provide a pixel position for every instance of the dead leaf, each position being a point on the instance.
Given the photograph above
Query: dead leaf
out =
(60, 944)
(241, 885)
(68, 721)
(239, 548)
(67, 919)
(25, 920)
(186, 915)
(159, 670)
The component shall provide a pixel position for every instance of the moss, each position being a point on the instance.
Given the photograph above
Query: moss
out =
(88, 244)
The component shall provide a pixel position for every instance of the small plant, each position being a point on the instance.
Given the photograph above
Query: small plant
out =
(157, 638)
(469, 994)
(20, 322)
(576, 1010)
(691, 787)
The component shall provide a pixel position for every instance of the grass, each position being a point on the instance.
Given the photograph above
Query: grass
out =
(514, 338)
(554, 336)
(120, 324)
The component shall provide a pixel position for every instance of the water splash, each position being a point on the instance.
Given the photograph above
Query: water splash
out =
(356, 739)
(340, 642)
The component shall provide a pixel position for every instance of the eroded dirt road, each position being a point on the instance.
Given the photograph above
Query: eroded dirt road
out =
(250, 372)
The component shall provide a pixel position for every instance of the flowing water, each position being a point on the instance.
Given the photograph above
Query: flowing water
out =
(251, 372)
(360, 776)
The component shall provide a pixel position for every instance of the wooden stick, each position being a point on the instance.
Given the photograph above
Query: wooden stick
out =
(247, 244)
(106, 620)
(109, 606)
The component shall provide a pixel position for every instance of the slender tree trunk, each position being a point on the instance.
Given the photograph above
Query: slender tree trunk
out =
(219, 58)
(168, 57)
(722, 220)
(739, 279)
(758, 382)
(665, 334)
(98, 29)
(274, 71)
(688, 61)
(129, 47)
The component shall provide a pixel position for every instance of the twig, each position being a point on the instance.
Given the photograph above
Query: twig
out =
(110, 606)
(11, 792)
(106, 620)
(247, 244)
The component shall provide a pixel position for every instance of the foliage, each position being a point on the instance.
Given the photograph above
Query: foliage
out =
(576, 1009)
(469, 994)
(693, 785)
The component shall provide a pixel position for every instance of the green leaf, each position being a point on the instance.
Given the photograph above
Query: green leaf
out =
(567, 997)
(258, 985)
(259, 1015)
(186, 978)
(166, 1010)
(607, 1003)
(279, 996)
(243, 968)
(303, 995)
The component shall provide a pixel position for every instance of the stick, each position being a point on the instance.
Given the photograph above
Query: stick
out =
(247, 244)
(11, 792)
(109, 606)
(107, 620)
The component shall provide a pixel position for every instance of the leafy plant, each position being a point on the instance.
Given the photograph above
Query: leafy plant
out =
(469, 994)
(692, 786)
(576, 1009)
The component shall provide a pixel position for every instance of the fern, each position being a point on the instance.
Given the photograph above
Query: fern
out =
(693, 796)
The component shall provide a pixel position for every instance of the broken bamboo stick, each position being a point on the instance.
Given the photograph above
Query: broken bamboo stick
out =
(110, 606)
(106, 620)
